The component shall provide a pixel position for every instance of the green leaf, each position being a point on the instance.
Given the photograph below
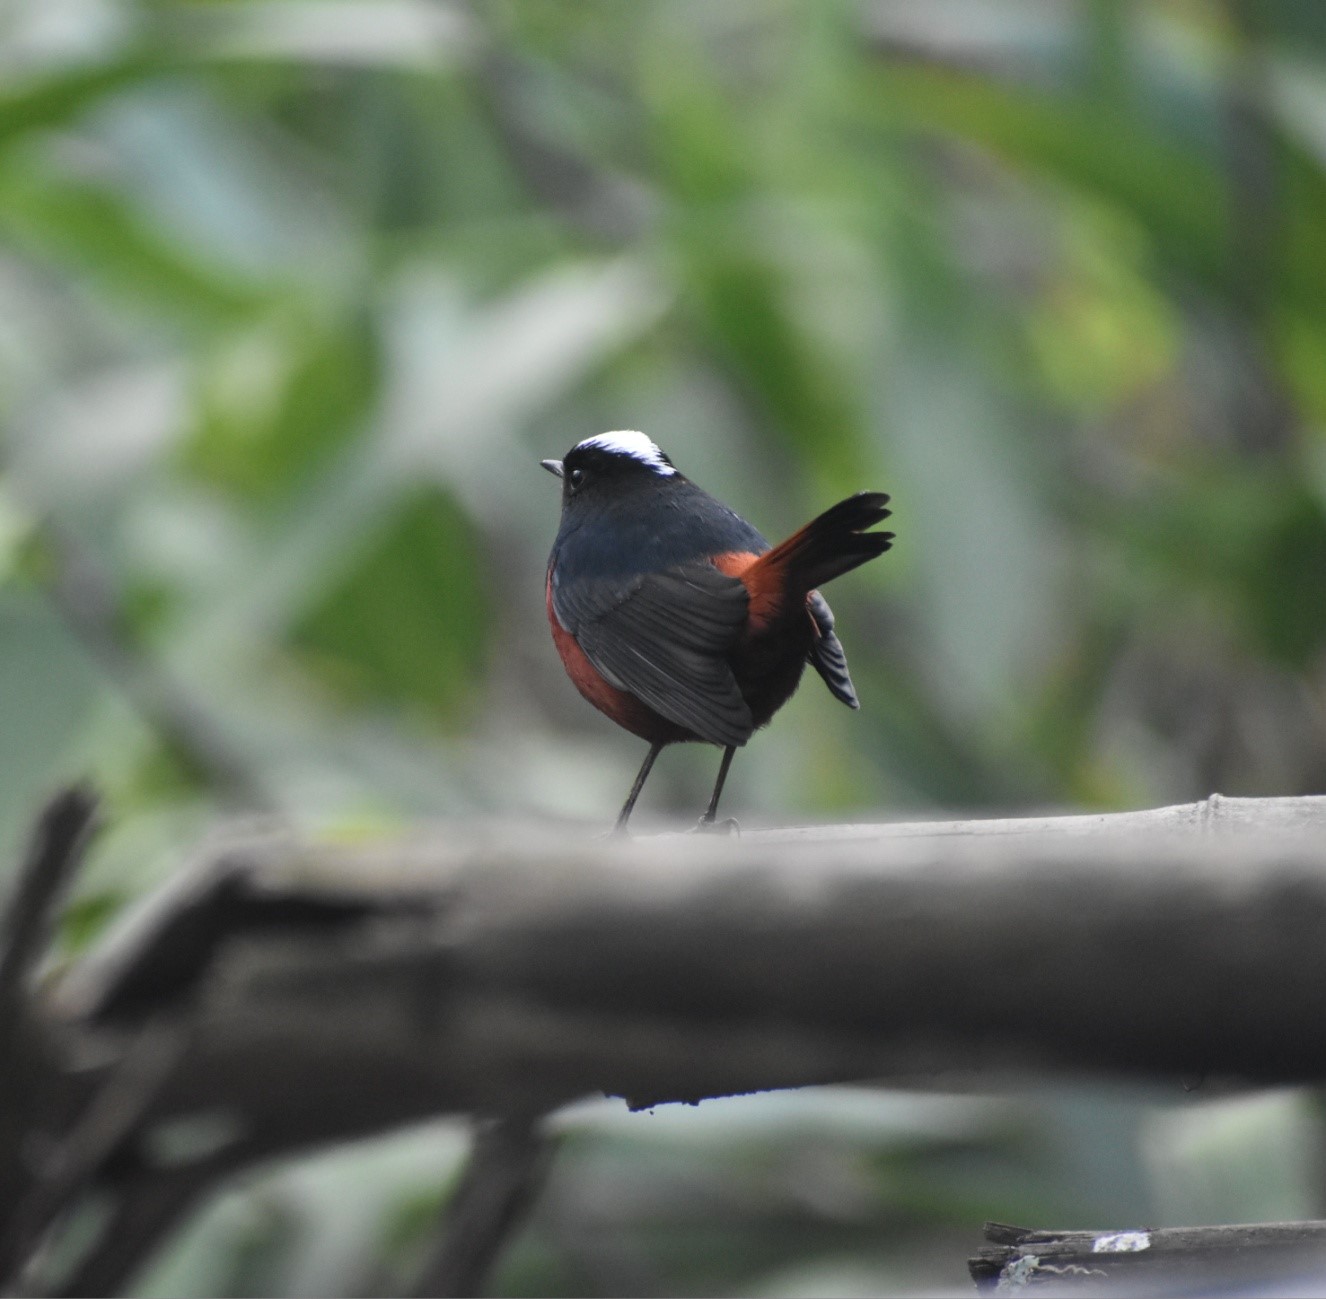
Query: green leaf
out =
(55, 100)
(408, 623)
(1252, 545)
(279, 402)
(94, 231)
(1179, 197)
(1268, 263)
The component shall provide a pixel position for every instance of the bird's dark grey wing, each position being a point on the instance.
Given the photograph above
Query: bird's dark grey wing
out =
(664, 638)
(826, 654)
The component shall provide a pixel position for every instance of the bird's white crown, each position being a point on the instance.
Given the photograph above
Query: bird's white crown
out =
(632, 443)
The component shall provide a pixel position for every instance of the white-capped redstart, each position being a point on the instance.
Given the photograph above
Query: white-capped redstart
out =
(675, 617)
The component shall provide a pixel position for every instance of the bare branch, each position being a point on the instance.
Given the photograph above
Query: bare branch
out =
(335, 992)
(26, 1066)
(113, 1113)
(144, 1212)
(53, 856)
(506, 1168)
(1170, 1260)
(518, 973)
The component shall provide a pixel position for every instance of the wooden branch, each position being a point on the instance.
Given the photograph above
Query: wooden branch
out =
(507, 1165)
(27, 1065)
(331, 992)
(1214, 815)
(1178, 1260)
(514, 974)
(114, 1111)
(145, 1210)
(52, 858)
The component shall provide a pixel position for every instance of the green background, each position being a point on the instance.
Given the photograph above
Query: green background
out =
(294, 297)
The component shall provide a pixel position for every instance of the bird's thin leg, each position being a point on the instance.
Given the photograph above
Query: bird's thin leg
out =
(654, 751)
(708, 817)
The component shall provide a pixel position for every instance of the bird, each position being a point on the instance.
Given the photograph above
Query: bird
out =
(675, 617)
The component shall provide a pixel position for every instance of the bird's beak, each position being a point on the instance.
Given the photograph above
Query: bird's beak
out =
(552, 466)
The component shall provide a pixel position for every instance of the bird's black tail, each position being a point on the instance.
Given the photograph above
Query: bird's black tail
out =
(827, 656)
(827, 547)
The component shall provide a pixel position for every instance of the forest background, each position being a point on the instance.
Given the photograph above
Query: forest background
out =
(295, 294)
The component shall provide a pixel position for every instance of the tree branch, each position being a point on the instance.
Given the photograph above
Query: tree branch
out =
(52, 857)
(1171, 1260)
(112, 1114)
(517, 974)
(331, 992)
(506, 1168)
(27, 1067)
(144, 1211)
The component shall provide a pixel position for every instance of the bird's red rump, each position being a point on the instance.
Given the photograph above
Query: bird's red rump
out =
(734, 562)
(763, 581)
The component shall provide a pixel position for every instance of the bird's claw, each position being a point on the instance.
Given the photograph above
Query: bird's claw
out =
(707, 825)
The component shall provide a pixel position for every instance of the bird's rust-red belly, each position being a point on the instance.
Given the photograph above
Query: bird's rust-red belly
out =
(623, 708)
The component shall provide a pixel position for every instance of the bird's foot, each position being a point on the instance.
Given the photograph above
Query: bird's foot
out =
(707, 825)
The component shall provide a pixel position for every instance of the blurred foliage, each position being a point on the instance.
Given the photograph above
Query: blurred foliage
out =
(294, 294)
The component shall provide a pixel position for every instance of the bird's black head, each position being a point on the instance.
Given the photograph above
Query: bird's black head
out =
(609, 466)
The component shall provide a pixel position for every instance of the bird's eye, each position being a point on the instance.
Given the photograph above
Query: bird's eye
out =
(577, 477)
